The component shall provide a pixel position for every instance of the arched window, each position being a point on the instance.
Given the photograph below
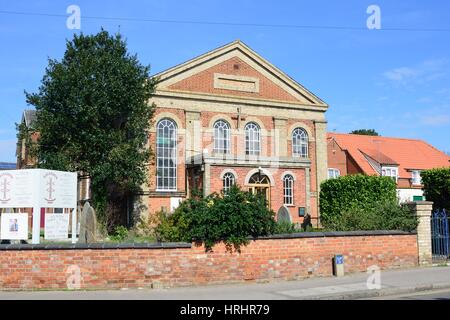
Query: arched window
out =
(288, 189)
(300, 143)
(221, 137)
(228, 181)
(252, 139)
(166, 155)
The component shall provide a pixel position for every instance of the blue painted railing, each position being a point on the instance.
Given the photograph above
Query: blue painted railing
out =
(440, 240)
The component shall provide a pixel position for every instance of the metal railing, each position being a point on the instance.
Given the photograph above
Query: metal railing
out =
(440, 240)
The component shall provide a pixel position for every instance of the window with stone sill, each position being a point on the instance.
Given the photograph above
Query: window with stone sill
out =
(288, 189)
(222, 137)
(252, 139)
(300, 143)
(166, 155)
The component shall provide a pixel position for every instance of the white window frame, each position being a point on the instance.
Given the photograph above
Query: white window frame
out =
(252, 139)
(390, 172)
(300, 141)
(416, 179)
(222, 137)
(228, 180)
(336, 173)
(288, 190)
(161, 186)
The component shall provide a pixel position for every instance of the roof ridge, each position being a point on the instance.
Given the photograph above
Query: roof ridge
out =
(382, 137)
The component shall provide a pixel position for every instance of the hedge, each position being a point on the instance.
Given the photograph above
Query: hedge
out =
(436, 185)
(354, 191)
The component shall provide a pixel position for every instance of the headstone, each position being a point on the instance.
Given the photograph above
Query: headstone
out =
(306, 222)
(88, 224)
(283, 215)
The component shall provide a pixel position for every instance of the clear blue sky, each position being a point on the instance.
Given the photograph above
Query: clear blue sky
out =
(396, 82)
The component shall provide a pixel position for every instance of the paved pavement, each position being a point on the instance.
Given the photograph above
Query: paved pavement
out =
(395, 283)
(424, 295)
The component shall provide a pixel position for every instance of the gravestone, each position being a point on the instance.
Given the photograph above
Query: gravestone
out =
(283, 215)
(306, 222)
(88, 224)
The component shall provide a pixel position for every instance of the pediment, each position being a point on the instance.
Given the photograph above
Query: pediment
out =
(235, 70)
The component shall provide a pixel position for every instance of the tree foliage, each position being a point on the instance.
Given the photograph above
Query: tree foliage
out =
(365, 132)
(93, 116)
(436, 186)
(230, 217)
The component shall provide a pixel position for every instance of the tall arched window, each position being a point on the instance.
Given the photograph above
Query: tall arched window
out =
(252, 139)
(166, 155)
(221, 137)
(288, 189)
(300, 143)
(228, 181)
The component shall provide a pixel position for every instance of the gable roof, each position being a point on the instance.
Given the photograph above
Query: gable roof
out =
(236, 49)
(378, 156)
(408, 154)
(29, 116)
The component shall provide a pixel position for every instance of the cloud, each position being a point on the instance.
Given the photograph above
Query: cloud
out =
(436, 120)
(424, 72)
(401, 74)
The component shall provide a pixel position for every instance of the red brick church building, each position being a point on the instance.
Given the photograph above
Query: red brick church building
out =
(231, 117)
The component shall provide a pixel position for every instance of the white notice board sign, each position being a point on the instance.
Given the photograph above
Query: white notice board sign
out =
(58, 189)
(14, 226)
(56, 226)
(17, 189)
(30, 187)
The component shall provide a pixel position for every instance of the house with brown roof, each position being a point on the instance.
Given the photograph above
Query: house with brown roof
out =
(401, 159)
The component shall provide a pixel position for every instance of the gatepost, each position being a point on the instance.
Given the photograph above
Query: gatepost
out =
(423, 210)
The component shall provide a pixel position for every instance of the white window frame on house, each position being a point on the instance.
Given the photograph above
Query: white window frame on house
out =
(229, 180)
(166, 155)
(416, 179)
(288, 190)
(300, 142)
(390, 172)
(333, 173)
(252, 139)
(222, 140)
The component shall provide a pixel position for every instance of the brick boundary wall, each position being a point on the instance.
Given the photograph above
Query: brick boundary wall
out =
(109, 266)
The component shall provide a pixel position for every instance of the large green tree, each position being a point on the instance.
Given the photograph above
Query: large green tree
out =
(93, 116)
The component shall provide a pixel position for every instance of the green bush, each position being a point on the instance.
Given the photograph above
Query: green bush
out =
(120, 233)
(283, 227)
(436, 186)
(231, 218)
(353, 192)
(387, 215)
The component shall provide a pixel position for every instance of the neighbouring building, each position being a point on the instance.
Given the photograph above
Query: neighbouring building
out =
(7, 166)
(401, 159)
(231, 117)
(26, 161)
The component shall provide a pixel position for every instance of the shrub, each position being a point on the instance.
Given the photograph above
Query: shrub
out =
(436, 186)
(230, 218)
(283, 227)
(388, 215)
(353, 192)
(120, 233)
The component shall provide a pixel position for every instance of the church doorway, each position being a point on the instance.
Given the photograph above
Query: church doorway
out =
(260, 184)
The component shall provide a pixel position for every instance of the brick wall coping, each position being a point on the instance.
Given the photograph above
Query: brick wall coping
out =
(84, 246)
(338, 234)
(178, 245)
